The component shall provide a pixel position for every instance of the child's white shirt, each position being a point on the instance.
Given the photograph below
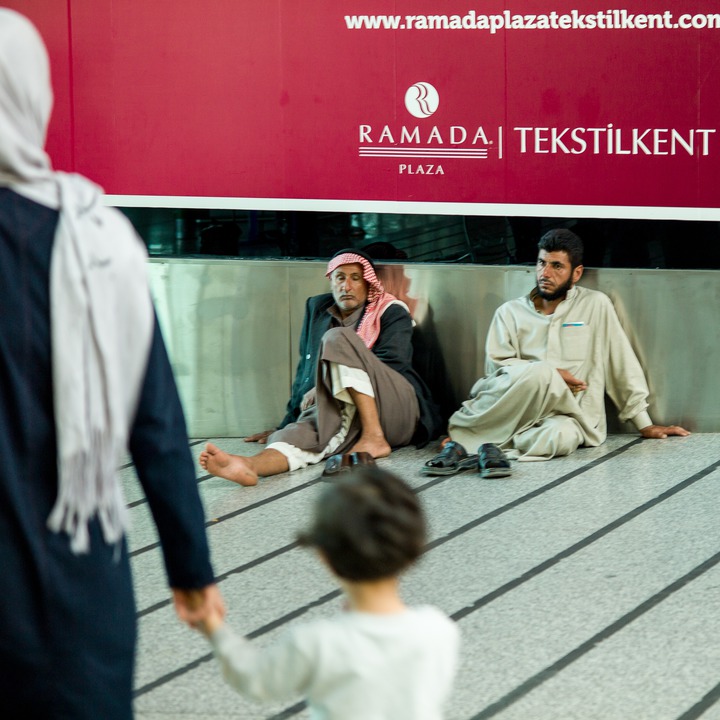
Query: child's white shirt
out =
(352, 666)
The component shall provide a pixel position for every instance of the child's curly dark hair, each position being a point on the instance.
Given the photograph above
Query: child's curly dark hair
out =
(368, 524)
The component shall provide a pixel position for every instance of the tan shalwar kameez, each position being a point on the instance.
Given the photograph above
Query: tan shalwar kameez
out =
(523, 402)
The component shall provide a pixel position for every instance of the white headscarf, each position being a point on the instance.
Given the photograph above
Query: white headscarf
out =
(101, 316)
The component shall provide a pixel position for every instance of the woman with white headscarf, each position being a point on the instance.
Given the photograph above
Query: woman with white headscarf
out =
(83, 376)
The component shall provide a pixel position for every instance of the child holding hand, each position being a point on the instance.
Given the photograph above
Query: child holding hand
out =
(380, 659)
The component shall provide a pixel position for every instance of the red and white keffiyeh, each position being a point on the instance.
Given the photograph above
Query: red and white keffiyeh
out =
(378, 300)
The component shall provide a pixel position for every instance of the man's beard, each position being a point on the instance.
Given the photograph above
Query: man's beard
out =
(557, 294)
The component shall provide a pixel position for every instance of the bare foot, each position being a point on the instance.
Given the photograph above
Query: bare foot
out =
(377, 447)
(225, 465)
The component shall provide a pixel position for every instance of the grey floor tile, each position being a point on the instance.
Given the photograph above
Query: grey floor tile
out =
(544, 570)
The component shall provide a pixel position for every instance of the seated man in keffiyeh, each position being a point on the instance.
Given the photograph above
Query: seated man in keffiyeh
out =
(355, 389)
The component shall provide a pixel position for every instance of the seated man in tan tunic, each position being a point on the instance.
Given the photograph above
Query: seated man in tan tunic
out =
(550, 358)
(356, 343)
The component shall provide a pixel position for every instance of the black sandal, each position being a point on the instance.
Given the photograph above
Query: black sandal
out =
(452, 459)
(493, 462)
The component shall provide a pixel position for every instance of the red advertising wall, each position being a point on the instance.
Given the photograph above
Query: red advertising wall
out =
(492, 104)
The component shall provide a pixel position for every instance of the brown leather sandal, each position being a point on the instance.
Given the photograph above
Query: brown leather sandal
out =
(336, 464)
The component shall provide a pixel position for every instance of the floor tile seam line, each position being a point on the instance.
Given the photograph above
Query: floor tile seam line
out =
(336, 593)
(173, 675)
(591, 643)
(582, 544)
(293, 614)
(246, 566)
(241, 568)
(268, 627)
(153, 608)
(260, 503)
(224, 576)
(278, 622)
(527, 497)
(132, 463)
(264, 501)
(236, 513)
(257, 561)
(705, 703)
(430, 546)
(143, 500)
(289, 711)
(286, 548)
(299, 707)
(144, 549)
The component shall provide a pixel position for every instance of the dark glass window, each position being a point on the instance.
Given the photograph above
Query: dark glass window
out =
(422, 238)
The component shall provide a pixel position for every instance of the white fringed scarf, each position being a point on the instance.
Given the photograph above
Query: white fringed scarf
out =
(101, 316)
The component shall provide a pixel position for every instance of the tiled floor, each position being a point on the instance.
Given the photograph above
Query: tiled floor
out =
(587, 587)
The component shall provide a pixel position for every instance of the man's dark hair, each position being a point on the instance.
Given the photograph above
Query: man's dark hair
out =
(368, 524)
(566, 240)
(355, 251)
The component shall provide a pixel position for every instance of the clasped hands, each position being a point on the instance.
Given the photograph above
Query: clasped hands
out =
(197, 607)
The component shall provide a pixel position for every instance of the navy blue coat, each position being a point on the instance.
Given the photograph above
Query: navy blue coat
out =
(67, 622)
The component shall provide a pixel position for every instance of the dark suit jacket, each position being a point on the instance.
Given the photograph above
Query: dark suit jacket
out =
(67, 638)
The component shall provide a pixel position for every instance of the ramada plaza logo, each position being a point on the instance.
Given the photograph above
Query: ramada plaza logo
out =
(422, 100)
(422, 145)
